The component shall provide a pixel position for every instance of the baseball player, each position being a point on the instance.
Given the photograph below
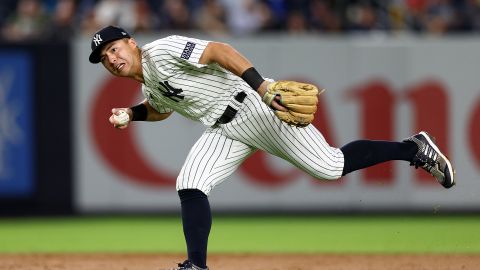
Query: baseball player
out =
(213, 83)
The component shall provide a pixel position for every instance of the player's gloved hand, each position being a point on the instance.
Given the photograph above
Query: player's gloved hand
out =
(121, 117)
(299, 99)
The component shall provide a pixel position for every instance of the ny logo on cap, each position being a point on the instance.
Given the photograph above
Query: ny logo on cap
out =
(97, 39)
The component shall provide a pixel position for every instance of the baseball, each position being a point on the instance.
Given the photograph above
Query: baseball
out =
(122, 118)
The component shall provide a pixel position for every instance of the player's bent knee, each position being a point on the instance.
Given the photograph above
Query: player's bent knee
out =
(188, 194)
(326, 175)
(331, 178)
(184, 186)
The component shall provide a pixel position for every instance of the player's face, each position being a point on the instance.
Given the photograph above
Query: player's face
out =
(120, 57)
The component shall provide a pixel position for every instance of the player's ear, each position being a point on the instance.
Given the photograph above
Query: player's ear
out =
(132, 42)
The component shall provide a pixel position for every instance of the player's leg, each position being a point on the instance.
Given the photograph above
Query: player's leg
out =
(307, 149)
(211, 160)
(361, 154)
(196, 221)
(420, 150)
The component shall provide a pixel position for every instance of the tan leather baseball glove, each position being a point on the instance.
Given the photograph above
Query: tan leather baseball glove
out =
(299, 98)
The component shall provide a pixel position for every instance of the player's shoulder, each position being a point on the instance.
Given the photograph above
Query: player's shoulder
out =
(164, 42)
(154, 43)
(173, 41)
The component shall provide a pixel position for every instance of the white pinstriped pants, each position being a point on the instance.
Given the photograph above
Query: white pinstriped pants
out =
(222, 148)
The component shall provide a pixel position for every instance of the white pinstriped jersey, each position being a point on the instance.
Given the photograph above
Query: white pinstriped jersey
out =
(174, 81)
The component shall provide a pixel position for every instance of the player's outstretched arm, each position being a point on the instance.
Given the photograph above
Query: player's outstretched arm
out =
(226, 56)
(121, 117)
(232, 60)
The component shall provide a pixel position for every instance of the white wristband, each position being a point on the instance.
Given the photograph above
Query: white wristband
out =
(268, 98)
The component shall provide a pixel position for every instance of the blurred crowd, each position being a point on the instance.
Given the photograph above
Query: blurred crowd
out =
(27, 20)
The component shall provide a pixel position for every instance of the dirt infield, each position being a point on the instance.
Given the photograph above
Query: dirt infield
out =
(238, 262)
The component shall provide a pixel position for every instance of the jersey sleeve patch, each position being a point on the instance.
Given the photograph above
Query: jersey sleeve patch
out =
(187, 51)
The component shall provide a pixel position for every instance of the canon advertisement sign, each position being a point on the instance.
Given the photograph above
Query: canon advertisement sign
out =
(383, 89)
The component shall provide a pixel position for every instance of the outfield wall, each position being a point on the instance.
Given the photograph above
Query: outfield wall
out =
(377, 88)
(35, 125)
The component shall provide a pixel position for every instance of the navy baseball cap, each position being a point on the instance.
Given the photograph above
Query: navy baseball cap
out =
(102, 37)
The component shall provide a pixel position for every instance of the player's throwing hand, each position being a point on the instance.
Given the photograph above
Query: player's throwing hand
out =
(120, 117)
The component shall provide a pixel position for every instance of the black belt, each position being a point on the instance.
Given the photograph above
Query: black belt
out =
(230, 112)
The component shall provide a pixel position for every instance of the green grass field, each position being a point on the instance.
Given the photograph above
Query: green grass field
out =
(306, 234)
